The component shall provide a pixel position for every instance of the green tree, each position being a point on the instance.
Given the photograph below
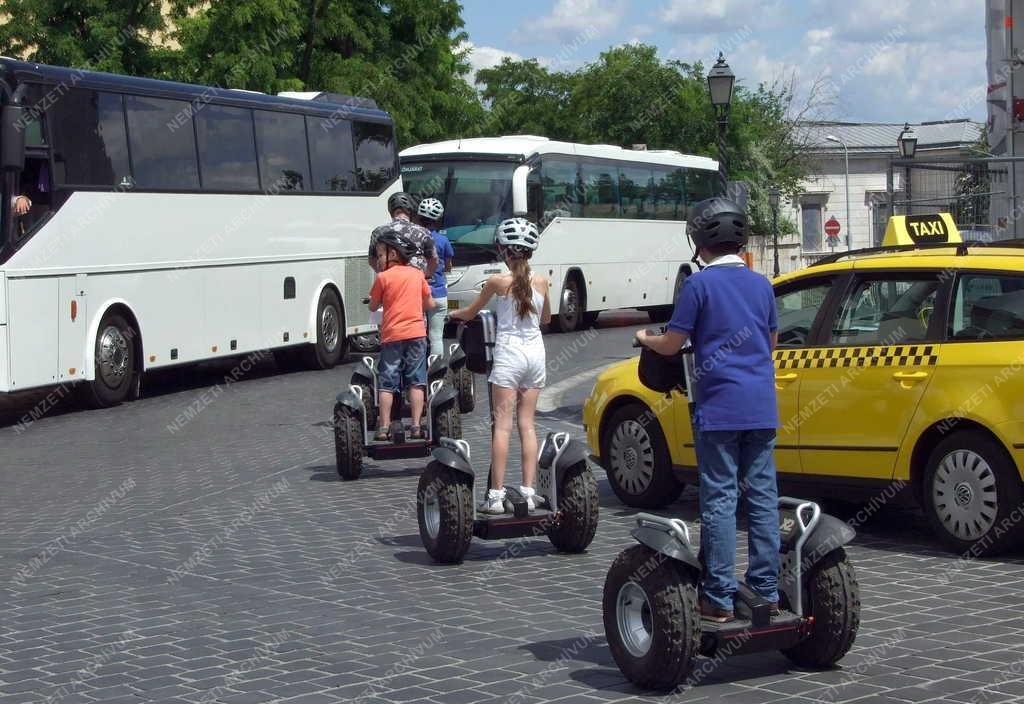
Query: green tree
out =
(105, 35)
(402, 53)
(524, 98)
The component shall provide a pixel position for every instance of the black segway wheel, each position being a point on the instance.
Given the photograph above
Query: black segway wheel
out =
(370, 403)
(348, 442)
(447, 423)
(651, 618)
(444, 509)
(578, 501)
(832, 597)
(465, 385)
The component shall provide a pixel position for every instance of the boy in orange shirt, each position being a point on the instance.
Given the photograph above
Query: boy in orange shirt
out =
(403, 292)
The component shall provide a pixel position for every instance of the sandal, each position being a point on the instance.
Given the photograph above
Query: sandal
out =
(416, 433)
(382, 435)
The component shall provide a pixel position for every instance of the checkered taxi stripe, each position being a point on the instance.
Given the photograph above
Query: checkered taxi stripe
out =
(829, 357)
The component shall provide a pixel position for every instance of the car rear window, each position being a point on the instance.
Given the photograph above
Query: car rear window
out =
(988, 307)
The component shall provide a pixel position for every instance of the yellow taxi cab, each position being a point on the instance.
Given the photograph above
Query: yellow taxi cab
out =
(899, 375)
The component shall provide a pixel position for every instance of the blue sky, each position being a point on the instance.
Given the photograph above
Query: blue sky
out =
(873, 60)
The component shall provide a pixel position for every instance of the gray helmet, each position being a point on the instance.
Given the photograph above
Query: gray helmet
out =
(717, 221)
(401, 201)
(391, 237)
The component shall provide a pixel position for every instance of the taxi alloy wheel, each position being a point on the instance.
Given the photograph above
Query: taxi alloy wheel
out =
(972, 494)
(637, 459)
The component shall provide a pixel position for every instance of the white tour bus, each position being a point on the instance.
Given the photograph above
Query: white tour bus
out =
(172, 223)
(612, 220)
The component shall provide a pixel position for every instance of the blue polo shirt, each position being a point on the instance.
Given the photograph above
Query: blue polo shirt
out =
(445, 251)
(729, 313)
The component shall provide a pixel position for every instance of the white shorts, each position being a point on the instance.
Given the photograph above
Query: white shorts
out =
(519, 365)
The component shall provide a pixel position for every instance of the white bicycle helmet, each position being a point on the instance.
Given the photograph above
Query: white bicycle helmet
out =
(431, 209)
(517, 233)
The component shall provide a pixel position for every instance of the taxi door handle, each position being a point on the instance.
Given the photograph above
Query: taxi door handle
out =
(907, 379)
(781, 379)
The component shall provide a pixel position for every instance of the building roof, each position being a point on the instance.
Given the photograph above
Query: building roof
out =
(524, 147)
(880, 137)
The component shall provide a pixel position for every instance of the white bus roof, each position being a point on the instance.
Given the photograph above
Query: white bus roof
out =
(526, 146)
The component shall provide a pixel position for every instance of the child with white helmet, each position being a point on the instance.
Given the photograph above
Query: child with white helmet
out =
(430, 212)
(520, 363)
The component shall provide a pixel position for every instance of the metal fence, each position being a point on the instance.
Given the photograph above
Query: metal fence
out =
(985, 195)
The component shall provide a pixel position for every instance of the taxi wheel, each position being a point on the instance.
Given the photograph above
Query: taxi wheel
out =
(972, 494)
(638, 463)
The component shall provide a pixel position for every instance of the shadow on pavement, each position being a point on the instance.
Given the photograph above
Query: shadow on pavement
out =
(329, 473)
(592, 648)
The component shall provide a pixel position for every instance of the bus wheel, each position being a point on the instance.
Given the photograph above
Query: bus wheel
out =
(115, 364)
(330, 343)
(570, 308)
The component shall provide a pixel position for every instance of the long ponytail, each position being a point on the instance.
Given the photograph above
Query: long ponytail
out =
(521, 289)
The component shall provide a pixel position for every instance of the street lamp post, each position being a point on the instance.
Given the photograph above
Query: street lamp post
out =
(907, 144)
(774, 195)
(720, 82)
(849, 224)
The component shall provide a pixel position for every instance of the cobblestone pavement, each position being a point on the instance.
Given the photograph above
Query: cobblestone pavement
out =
(196, 546)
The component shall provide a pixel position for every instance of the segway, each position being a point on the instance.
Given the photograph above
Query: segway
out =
(651, 606)
(652, 618)
(462, 378)
(356, 416)
(566, 500)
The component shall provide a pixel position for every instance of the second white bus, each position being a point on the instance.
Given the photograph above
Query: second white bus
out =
(613, 230)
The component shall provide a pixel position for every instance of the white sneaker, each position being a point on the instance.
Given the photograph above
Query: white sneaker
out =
(533, 499)
(494, 502)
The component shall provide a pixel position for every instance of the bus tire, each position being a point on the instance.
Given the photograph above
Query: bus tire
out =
(116, 367)
(329, 347)
(571, 306)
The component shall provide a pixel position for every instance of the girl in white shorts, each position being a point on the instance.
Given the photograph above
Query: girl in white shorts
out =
(520, 363)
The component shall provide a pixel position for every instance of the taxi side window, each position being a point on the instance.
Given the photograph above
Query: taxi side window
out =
(797, 308)
(988, 307)
(886, 311)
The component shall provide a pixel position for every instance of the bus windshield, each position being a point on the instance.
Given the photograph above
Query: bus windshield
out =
(477, 195)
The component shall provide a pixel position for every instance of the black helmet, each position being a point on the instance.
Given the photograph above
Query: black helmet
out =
(402, 201)
(717, 221)
(391, 237)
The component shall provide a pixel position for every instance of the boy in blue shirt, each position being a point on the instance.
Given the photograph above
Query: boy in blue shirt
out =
(728, 311)
(430, 212)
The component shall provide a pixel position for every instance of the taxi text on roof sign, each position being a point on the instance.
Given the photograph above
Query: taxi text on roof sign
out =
(937, 228)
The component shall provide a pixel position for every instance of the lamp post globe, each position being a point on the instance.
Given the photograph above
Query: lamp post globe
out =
(907, 145)
(720, 84)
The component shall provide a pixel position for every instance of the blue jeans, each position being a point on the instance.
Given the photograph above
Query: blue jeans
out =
(402, 364)
(734, 463)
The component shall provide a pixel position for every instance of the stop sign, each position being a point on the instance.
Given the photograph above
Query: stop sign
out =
(832, 227)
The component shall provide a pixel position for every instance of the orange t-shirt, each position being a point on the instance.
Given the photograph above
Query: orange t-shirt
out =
(402, 290)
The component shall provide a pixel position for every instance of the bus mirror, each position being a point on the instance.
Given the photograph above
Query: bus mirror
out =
(12, 142)
(519, 176)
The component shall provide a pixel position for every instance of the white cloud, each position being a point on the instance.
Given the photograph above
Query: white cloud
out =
(578, 20)
(484, 57)
(701, 17)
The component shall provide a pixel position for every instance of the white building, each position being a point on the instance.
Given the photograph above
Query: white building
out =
(823, 195)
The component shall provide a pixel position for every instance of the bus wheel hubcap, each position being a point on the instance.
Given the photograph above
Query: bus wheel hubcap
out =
(964, 494)
(569, 302)
(329, 328)
(113, 358)
(632, 457)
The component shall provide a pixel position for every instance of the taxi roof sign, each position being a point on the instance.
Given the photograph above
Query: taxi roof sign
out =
(933, 228)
